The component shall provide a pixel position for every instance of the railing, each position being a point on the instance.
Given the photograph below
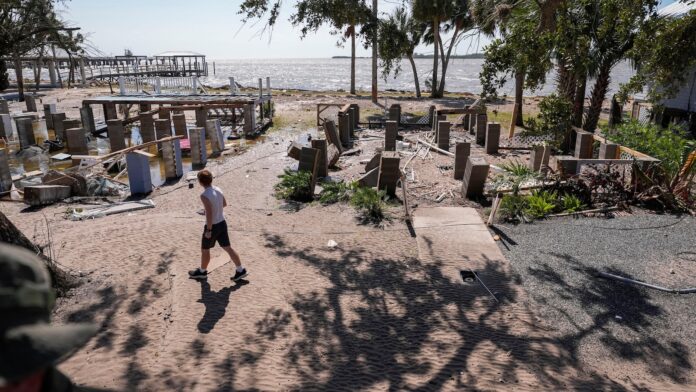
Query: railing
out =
(143, 85)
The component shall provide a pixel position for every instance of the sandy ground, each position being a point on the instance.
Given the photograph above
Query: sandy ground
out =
(381, 311)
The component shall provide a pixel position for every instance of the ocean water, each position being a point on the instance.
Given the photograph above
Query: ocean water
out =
(334, 74)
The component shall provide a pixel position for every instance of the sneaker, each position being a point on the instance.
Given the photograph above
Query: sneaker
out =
(198, 274)
(239, 275)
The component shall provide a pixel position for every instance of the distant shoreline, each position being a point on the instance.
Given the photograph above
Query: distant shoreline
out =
(425, 56)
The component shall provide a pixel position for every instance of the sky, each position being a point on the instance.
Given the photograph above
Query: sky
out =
(212, 28)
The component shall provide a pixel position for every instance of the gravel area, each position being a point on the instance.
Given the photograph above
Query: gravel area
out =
(619, 328)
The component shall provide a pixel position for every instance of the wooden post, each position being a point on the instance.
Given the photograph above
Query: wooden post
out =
(515, 113)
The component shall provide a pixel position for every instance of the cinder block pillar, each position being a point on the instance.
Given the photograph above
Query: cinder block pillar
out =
(475, 176)
(567, 165)
(25, 132)
(5, 174)
(389, 172)
(171, 154)
(87, 116)
(356, 117)
(30, 100)
(309, 159)
(58, 129)
(332, 135)
(344, 129)
(461, 156)
(431, 115)
(584, 145)
(164, 114)
(481, 124)
(139, 177)
(110, 112)
(72, 123)
(163, 128)
(179, 124)
(147, 127)
(443, 132)
(213, 131)
(440, 117)
(199, 155)
(395, 113)
(323, 164)
(608, 151)
(49, 109)
(351, 115)
(472, 124)
(390, 132)
(539, 157)
(76, 141)
(115, 131)
(4, 107)
(201, 117)
(465, 122)
(5, 125)
(249, 119)
(492, 138)
(144, 107)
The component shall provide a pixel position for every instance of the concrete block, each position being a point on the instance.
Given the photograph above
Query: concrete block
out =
(443, 132)
(332, 155)
(481, 125)
(49, 109)
(4, 107)
(41, 195)
(608, 151)
(201, 117)
(390, 133)
(164, 115)
(395, 113)
(5, 126)
(584, 143)
(76, 141)
(76, 182)
(472, 124)
(199, 154)
(110, 112)
(249, 119)
(5, 173)
(139, 177)
(567, 165)
(370, 178)
(351, 114)
(440, 117)
(323, 165)
(25, 132)
(539, 157)
(462, 151)
(30, 101)
(116, 133)
(171, 154)
(213, 131)
(332, 135)
(87, 117)
(57, 122)
(431, 114)
(374, 162)
(163, 128)
(71, 123)
(389, 172)
(344, 129)
(294, 150)
(309, 161)
(356, 118)
(147, 127)
(492, 138)
(180, 125)
(474, 179)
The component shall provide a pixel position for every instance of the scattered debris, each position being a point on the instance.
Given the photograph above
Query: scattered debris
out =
(332, 244)
(87, 211)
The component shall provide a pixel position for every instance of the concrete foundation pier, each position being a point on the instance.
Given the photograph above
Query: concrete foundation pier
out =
(25, 132)
(395, 113)
(344, 129)
(49, 109)
(309, 161)
(76, 141)
(389, 172)
(4, 107)
(567, 165)
(110, 112)
(87, 116)
(180, 124)
(139, 177)
(481, 125)
(608, 151)
(584, 145)
(249, 119)
(356, 117)
(147, 127)
(30, 101)
(201, 117)
(390, 132)
(5, 174)
(163, 128)
(475, 176)
(57, 122)
(492, 138)
(213, 131)
(443, 135)
(539, 157)
(199, 155)
(116, 133)
(461, 156)
(323, 165)
(5, 126)
(171, 153)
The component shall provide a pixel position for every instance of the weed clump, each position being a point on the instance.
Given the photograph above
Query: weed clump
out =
(295, 186)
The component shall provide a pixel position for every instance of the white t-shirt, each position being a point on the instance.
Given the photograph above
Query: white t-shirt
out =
(215, 196)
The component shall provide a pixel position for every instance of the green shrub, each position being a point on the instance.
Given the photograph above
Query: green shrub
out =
(369, 204)
(571, 203)
(554, 119)
(334, 192)
(540, 204)
(294, 186)
(514, 174)
(512, 208)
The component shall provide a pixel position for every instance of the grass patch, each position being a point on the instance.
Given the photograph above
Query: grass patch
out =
(369, 203)
(335, 192)
(294, 186)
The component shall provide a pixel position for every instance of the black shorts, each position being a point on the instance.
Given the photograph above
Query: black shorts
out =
(219, 234)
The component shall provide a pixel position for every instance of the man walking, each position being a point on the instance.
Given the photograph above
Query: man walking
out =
(215, 229)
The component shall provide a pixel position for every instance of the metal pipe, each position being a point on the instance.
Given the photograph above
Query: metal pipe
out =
(652, 286)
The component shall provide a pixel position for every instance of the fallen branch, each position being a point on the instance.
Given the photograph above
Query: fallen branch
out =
(652, 286)
(597, 210)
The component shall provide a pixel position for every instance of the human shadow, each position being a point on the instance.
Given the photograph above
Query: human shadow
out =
(216, 303)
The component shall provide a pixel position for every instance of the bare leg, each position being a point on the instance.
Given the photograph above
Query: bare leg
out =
(205, 258)
(233, 255)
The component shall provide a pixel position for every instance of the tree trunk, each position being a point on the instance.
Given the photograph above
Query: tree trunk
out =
(415, 75)
(565, 80)
(599, 91)
(374, 54)
(20, 78)
(10, 234)
(436, 34)
(519, 96)
(579, 100)
(352, 59)
(445, 61)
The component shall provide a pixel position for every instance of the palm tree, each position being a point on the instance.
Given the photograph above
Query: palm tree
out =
(399, 36)
(433, 12)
